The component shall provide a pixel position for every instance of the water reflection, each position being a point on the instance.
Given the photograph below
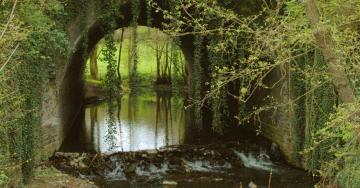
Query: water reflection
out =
(142, 121)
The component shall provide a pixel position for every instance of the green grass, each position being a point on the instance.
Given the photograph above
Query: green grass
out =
(94, 82)
(146, 68)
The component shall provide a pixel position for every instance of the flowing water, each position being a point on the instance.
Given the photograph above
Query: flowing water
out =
(150, 121)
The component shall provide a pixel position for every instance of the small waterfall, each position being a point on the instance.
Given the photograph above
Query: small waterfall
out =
(259, 161)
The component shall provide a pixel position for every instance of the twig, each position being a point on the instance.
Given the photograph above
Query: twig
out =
(9, 20)
(269, 185)
(8, 60)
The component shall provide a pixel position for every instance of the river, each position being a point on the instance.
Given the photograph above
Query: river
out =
(153, 121)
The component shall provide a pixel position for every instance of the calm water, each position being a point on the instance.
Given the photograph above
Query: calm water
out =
(143, 121)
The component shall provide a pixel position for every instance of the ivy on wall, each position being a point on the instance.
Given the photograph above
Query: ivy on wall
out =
(314, 101)
(320, 103)
(197, 78)
(135, 13)
(28, 78)
(112, 87)
(218, 101)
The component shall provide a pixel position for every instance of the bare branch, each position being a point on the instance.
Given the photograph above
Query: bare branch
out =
(9, 20)
(8, 60)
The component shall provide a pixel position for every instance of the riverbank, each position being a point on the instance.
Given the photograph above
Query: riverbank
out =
(47, 176)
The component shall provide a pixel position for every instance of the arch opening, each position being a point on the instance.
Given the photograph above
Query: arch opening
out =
(72, 96)
(72, 91)
(159, 60)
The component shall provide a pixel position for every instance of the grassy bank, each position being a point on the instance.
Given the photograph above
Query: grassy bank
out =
(146, 68)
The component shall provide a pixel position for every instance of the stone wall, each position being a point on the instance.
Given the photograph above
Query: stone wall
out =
(276, 123)
(51, 134)
(64, 96)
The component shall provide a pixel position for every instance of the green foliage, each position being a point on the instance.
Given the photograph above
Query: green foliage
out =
(111, 81)
(112, 86)
(340, 136)
(320, 100)
(178, 78)
(197, 78)
(34, 39)
(135, 12)
(146, 67)
(298, 87)
(219, 100)
(247, 43)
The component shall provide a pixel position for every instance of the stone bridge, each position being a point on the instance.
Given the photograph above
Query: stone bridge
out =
(64, 97)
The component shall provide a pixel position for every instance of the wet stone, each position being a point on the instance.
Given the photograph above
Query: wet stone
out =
(67, 155)
(82, 165)
(130, 168)
(169, 183)
(252, 185)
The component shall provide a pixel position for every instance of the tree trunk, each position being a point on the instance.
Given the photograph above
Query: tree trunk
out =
(119, 57)
(324, 42)
(166, 76)
(130, 55)
(93, 64)
(158, 59)
(159, 53)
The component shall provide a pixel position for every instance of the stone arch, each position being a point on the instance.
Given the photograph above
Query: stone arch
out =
(84, 37)
(85, 30)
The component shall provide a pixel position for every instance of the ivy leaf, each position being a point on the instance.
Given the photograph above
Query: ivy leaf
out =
(243, 90)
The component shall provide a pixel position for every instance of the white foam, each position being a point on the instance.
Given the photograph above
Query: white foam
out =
(206, 166)
(153, 170)
(260, 161)
(117, 173)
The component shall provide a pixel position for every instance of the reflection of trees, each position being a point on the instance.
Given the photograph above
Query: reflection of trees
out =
(93, 123)
(163, 120)
(157, 119)
(163, 104)
(111, 123)
(180, 117)
(119, 122)
(132, 117)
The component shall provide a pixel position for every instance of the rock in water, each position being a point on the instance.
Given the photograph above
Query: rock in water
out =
(82, 165)
(275, 151)
(130, 168)
(67, 155)
(170, 183)
(252, 185)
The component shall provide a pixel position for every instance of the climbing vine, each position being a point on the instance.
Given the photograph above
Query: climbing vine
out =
(197, 79)
(135, 12)
(320, 104)
(175, 51)
(297, 89)
(218, 100)
(112, 87)
(149, 18)
(33, 63)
